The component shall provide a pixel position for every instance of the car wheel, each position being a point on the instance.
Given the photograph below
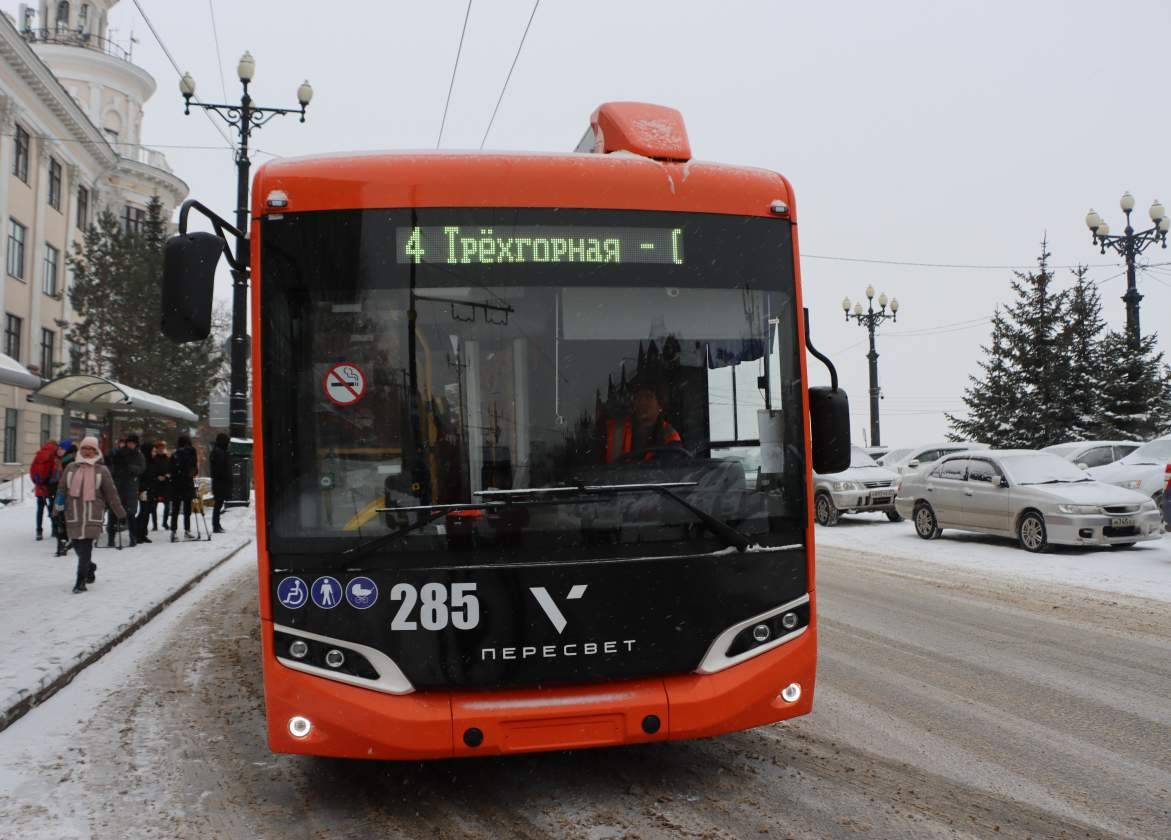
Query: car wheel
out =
(926, 525)
(825, 511)
(1031, 532)
(894, 516)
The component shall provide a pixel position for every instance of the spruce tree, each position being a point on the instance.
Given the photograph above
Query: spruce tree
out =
(1137, 393)
(1084, 377)
(992, 399)
(117, 295)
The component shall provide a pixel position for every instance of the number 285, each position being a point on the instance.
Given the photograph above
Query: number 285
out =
(436, 609)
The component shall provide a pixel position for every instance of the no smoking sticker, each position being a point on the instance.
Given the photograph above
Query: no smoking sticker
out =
(345, 384)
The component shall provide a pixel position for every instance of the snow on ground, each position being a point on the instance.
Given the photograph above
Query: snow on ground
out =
(47, 629)
(1144, 570)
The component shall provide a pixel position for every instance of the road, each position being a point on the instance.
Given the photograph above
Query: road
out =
(948, 705)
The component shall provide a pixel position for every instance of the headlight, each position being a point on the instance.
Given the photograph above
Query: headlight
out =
(845, 485)
(1134, 484)
(1149, 504)
(1079, 508)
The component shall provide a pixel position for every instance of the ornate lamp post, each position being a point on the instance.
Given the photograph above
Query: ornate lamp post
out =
(1129, 245)
(870, 318)
(245, 118)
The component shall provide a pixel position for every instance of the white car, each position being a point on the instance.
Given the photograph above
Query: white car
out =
(918, 457)
(1093, 453)
(1144, 470)
(1035, 497)
(863, 487)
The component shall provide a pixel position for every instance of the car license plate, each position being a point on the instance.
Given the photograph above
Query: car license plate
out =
(880, 500)
(1122, 522)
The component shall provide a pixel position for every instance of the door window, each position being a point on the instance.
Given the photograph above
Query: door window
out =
(984, 471)
(953, 469)
(1097, 456)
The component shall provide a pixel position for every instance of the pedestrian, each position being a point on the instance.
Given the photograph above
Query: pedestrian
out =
(84, 492)
(183, 469)
(66, 453)
(221, 479)
(43, 473)
(126, 465)
(152, 490)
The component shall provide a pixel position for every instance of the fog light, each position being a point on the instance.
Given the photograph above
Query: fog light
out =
(789, 620)
(335, 658)
(761, 632)
(791, 693)
(299, 726)
(298, 649)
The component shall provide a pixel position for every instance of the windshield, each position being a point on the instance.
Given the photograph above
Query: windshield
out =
(1042, 468)
(894, 456)
(1155, 452)
(1063, 449)
(431, 359)
(859, 458)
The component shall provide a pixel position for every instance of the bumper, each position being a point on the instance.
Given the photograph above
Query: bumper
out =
(859, 501)
(352, 722)
(1098, 530)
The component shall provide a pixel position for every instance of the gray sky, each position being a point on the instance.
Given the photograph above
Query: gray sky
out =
(930, 132)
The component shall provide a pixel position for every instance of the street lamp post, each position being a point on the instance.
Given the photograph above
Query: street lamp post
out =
(245, 118)
(1129, 245)
(870, 319)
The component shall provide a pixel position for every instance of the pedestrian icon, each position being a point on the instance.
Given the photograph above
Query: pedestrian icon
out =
(327, 592)
(292, 593)
(361, 592)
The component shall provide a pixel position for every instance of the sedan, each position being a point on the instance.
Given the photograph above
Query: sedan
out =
(1093, 453)
(1038, 498)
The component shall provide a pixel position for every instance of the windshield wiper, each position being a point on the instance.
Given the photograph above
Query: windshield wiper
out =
(729, 535)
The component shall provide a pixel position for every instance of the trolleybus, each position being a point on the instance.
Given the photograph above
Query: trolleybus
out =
(533, 444)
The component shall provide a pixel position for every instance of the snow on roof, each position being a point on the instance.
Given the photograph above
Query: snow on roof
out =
(100, 395)
(13, 372)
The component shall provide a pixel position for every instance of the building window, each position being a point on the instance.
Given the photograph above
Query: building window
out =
(20, 159)
(82, 208)
(12, 326)
(48, 338)
(83, 18)
(52, 263)
(132, 219)
(11, 425)
(46, 427)
(54, 183)
(63, 16)
(16, 236)
(74, 359)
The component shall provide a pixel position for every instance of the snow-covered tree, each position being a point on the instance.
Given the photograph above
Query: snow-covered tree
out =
(1137, 394)
(1084, 376)
(993, 399)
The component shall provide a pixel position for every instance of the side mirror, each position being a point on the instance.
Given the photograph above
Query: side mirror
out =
(1083, 466)
(829, 428)
(1003, 482)
(914, 462)
(189, 264)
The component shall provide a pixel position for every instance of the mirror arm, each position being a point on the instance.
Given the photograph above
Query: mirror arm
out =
(221, 226)
(833, 373)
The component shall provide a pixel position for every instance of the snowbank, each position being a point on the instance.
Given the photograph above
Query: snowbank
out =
(1144, 570)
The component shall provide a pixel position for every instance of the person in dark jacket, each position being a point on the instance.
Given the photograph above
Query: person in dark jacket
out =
(66, 454)
(43, 473)
(85, 491)
(221, 479)
(152, 490)
(183, 469)
(126, 465)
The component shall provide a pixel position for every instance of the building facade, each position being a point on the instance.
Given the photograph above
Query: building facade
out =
(71, 104)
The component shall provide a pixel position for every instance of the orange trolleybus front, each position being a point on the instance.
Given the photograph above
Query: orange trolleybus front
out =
(532, 445)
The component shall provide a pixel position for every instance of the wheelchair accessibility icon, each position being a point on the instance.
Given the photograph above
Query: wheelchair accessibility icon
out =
(292, 592)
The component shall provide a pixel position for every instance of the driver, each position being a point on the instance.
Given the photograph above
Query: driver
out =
(644, 430)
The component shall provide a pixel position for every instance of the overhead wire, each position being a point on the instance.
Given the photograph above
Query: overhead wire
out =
(218, 57)
(178, 72)
(455, 67)
(508, 78)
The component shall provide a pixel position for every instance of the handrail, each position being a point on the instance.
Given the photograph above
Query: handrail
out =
(75, 38)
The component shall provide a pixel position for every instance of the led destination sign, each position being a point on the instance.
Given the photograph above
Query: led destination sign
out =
(474, 245)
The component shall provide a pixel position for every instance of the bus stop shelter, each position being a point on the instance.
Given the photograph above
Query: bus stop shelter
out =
(95, 395)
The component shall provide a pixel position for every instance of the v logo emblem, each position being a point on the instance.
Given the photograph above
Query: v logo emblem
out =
(550, 606)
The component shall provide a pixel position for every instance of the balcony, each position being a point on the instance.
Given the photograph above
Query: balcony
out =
(74, 38)
(143, 154)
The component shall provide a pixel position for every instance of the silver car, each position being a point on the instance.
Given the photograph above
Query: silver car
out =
(862, 488)
(1036, 497)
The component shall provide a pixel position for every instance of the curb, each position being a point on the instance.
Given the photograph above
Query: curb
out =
(18, 710)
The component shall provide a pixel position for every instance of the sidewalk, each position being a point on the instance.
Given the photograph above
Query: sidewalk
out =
(50, 634)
